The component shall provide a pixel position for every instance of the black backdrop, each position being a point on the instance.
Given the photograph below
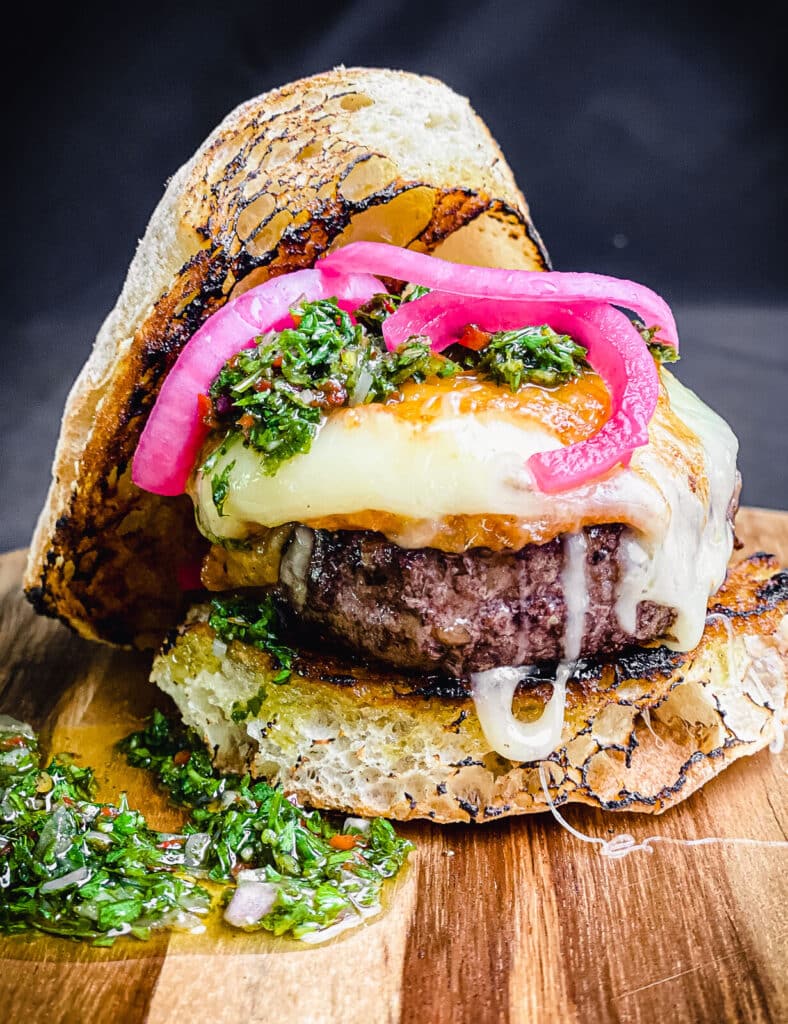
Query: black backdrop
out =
(649, 140)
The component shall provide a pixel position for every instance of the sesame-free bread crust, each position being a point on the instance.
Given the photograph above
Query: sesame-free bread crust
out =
(642, 731)
(352, 153)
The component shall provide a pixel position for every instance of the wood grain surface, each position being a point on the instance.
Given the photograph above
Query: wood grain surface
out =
(515, 921)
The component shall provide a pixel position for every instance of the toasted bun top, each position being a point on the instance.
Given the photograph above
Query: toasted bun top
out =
(350, 154)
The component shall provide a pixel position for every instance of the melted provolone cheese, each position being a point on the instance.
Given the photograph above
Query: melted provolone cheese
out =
(622, 844)
(493, 691)
(683, 564)
(367, 459)
(466, 460)
(576, 597)
(295, 563)
(446, 458)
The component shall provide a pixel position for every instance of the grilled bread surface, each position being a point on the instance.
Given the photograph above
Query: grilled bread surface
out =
(641, 732)
(346, 155)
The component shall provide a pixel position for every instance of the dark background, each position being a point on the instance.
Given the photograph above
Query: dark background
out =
(649, 139)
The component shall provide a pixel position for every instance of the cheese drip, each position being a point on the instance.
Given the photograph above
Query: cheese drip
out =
(493, 691)
(674, 497)
(412, 478)
(623, 844)
(681, 566)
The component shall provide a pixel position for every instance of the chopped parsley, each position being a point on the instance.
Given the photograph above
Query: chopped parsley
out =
(660, 352)
(252, 622)
(373, 313)
(220, 487)
(277, 394)
(529, 355)
(180, 763)
(243, 709)
(322, 873)
(85, 870)
(80, 869)
(663, 353)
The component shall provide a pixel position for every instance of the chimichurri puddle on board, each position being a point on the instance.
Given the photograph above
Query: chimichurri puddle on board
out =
(77, 867)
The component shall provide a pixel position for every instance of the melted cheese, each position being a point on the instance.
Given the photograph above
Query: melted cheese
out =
(450, 448)
(367, 459)
(576, 598)
(446, 467)
(622, 844)
(681, 565)
(458, 451)
(493, 691)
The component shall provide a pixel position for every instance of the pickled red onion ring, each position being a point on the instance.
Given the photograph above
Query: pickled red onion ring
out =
(175, 431)
(484, 282)
(615, 350)
(188, 575)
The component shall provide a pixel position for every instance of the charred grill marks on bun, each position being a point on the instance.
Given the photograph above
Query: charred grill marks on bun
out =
(439, 505)
(449, 434)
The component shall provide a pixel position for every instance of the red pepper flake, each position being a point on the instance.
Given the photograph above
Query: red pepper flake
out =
(105, 812)
(277, 362)
(335, 393)
(342, 842)
(246, 422)
(13, 741)
(263, 385)
(474, 337)
(182, 757)
(167, 844)
(204, 407)
(207, 411)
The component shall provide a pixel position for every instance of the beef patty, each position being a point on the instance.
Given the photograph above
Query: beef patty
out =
(458, 613)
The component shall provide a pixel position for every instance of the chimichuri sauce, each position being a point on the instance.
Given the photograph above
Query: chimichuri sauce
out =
(75, 867)
(277, 393)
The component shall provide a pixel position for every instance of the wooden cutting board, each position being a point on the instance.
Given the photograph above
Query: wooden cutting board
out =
(510, 921)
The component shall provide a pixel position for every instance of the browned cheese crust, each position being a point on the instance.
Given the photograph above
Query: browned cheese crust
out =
(348, 154)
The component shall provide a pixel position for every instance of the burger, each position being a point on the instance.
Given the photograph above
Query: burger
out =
(418, 526)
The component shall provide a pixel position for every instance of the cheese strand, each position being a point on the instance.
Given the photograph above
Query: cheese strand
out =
(623, 844)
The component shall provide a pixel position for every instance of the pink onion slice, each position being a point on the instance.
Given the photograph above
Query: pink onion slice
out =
(615, 350)
(460, 279)
(621, 358)
(251, 901)
(175, 431)
(188, 575)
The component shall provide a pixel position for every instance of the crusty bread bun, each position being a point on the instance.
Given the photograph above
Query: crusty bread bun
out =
(641, 731)
(363, 154)
(350, 154)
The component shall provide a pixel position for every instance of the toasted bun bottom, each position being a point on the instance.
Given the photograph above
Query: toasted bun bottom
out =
(641, 732)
